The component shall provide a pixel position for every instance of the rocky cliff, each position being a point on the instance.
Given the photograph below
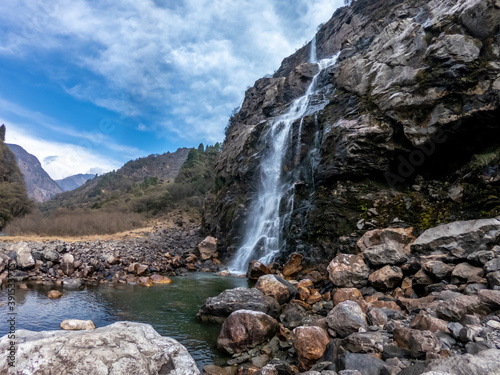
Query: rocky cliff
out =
(409, 135)
(41, 187)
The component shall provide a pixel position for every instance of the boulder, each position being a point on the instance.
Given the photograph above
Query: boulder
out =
(458, 239)
(310, 344)
(386, 246)
(386, 278)
(77, 325)
(68, 264)
(455, 308)
(72, 283)
(486, 362)
(437, 270)
(144, 280)
(245, 329)
(50, 256)
(256, 269)
(366, 364)
(25, 260)
(159, 279)
(490, 298)
(346, 294)
(120, 348)
(346, 318)
(207, 248)
(464, 271)
(217, 309)
(419, 343)
(276, 287)
(293, 266)
(348, 271)
(364, 342)
(54, 294)
(425, 322)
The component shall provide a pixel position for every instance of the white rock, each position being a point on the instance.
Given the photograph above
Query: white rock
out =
(76, 325)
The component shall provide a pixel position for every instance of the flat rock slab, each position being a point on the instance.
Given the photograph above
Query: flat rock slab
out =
(120, 348)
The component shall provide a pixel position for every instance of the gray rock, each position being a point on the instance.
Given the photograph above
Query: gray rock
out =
(71, 283)
(50, 255)
(492, 265)
(346, 318)
(493, 279)
(364, 342)
(348, 271)
(438, 270)
(25, 260)
(364, 363)
(458, 239)
(486, 362)
(120, 348)
(454, 308)
(386, 246)
(217, 309)
(464, 271)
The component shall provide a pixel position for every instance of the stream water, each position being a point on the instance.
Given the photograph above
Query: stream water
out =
(169, 308)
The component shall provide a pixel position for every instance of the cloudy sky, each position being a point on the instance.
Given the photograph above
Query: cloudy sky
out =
(88, 85)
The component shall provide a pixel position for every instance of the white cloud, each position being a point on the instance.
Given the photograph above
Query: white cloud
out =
(193, 58)
(60, 159)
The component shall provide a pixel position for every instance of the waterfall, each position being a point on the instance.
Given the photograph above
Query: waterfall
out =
(263, 235)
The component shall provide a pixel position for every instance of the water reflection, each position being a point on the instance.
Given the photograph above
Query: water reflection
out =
(169, 308)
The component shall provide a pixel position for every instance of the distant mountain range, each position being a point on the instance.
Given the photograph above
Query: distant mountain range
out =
(73, 182)
(40, 186)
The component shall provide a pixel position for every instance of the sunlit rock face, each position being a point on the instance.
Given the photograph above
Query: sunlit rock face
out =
(394, 132)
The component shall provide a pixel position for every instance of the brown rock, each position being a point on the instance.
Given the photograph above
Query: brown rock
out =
(346, 294)
(207, 248)
(144, 280)
(158, 279)
(54, 294)
(293, 266)
(304, 293)
(464, 271)
(455, 308)
(256, 269)
(407, 286)
(422, 278)
(244, 329)
(491, 298)
(310, 344)
(425, 322)
(416, 304)
(386, 278)
(348, 271)
(417, 342)
(214, 370)
(376, 317)
(276, 287)
(314, 297)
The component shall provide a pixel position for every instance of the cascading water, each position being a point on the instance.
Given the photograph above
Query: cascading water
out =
(262, 239)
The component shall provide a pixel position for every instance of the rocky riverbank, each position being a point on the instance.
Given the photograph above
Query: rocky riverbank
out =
(394, 304)
(168, 251)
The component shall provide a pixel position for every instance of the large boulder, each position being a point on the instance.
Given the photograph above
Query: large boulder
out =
(310, 344)
(455, 308)
(245, 329)
(217, 309)
(346, 318)
(24, 258)
(387, 277)
(418, 342)
(386, 246)
(207, 248)
(348, 271)
(120, 348)
(458, 239)
(276, 287)
(486, 362)
(256, 269)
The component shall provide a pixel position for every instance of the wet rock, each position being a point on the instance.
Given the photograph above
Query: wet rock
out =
(76, 325)
(207, 248)
(72, 283)
(386, 278)
(458, 239)
(386, 246)
(25, 260)
(346, 294)
(145, 281)
(216, 309)
(310, 344)
(486, 362)
(245, 329)
(455, 308)
(54, 294)
(276, 287)
(348, 271)
(256, 269)
(158, 279)
(346, 318)
(120, 348)
(294, 266)
(214, 370)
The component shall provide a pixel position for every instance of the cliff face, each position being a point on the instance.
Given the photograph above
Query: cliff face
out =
(409, 134)
(41, 187)
(73, 182)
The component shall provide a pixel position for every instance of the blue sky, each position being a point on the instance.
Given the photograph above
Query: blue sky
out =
(87, 85)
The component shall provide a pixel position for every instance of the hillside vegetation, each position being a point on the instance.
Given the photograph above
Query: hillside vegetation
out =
(13, 197)
(125, 199)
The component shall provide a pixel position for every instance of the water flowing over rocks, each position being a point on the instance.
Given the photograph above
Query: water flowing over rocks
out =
(120, 348)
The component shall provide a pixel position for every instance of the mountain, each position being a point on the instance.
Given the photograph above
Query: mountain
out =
(72, 182)
(396, 126)
(41, 187)
(127, 183)
(13, 196)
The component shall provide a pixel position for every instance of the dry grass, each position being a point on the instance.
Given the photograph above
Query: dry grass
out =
(67, 223)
